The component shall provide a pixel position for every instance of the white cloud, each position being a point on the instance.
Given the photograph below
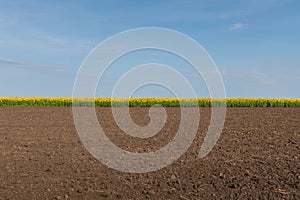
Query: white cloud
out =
(258, 77)
(36, 40)
(28, 65)
(237, 26)
(234, 13)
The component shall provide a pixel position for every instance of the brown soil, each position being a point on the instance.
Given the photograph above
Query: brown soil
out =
(257, 156)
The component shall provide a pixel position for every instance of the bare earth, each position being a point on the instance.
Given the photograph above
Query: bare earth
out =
(257, 156)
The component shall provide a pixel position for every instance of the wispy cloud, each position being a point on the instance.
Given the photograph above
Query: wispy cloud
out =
(47, 42)
(235, 13)
(258, 77)
(28, 65)
(237, 26)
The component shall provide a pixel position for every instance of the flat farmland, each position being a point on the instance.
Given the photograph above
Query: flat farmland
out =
(257, 156)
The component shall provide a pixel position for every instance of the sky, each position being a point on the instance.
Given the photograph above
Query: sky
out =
(255, 44)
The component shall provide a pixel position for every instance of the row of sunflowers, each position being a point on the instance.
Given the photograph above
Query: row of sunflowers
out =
(147, 102)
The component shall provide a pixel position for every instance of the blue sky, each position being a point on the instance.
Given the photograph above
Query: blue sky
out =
(254, 43)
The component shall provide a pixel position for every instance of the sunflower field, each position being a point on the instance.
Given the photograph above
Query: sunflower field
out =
(147, 102)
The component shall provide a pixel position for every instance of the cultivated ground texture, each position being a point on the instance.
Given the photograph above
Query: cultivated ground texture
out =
(256, 157)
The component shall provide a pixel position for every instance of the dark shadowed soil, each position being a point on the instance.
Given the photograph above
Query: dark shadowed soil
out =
(256, 157)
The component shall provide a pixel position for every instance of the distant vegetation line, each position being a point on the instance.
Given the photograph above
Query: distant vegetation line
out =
(148, 102)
